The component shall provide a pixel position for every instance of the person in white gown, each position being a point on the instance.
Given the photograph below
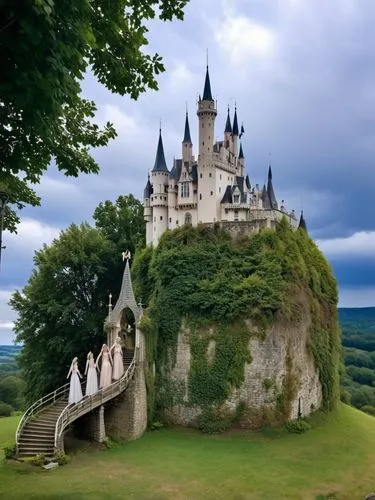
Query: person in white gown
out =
(92, 375)
(118, 363)
(75, 390)
(106, 367)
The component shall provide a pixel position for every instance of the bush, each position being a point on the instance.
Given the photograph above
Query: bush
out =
(9, 450)
(370, 410)
(297, 426)
(38, 460)
(5, 410)
(61, 458)
(155, 426)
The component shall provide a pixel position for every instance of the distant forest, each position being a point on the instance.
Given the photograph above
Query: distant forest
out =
(357, 377)
(358, 341)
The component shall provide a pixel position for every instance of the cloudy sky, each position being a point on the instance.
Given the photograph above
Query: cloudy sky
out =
(303, 75)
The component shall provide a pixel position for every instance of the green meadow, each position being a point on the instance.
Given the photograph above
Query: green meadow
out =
(333, 460)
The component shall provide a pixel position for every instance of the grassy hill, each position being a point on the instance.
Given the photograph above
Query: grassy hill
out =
(334, 460)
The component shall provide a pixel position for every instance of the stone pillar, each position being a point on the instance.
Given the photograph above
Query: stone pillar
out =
(91, 426)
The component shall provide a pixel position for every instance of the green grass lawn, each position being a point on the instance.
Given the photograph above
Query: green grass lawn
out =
(335, 459)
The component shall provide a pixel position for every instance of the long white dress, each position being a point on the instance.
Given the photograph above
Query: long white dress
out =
(92, 378)
(106, 371)
(118, 364)
(75, 390)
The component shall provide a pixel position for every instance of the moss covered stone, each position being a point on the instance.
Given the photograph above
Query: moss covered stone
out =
(207, 278)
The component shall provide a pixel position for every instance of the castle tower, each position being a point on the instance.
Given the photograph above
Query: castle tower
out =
(159, 197)
(235, 134)
(270, 191)
(148, 210)
(241, 162)
(228, 133)
(207, 206)
(302, 222)
(187, 145)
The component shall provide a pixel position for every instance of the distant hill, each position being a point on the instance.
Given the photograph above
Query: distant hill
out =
(8, 355)
(357, 318)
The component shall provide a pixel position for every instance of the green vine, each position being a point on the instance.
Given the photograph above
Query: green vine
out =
(215, 285)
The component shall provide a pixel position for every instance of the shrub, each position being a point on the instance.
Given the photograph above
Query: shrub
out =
(61, 458)
(38, 460)
(5, 410)
(297, 426)
(370, 410)
(9, 450)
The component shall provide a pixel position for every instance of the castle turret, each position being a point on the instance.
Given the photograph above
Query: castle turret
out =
(228, 133)
(207, 206)
(270, 191)
(302, 222)
(187, 145)
(241, 162)
(147, 210)
(159, 197)
(235, 133)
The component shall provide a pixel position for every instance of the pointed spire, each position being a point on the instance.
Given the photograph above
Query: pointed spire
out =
(265, 198)
(241, 155)
(270, 191)
(302, 222)
(228, 125)
(160, 164)
(235, 122)
(207, 96)
(148, 189)
(187, 137)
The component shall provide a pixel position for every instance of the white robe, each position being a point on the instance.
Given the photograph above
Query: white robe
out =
(75, 390)
(92, 378)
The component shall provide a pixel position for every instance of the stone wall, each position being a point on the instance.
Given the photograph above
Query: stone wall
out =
(126, 416)
(283, 356)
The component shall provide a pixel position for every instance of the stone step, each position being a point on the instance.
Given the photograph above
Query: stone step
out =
(35, 449)
(33, 440)
(42, 426)
(29, 454)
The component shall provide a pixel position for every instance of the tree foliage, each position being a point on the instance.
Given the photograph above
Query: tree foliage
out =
(46, 47)
(62, 309)
(211, 284)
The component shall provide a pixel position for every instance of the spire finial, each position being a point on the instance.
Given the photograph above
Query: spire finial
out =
(207, 58)
(160, 125)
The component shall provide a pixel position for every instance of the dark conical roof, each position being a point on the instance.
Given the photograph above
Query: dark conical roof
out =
(270, 191)
(228, 125)
(247, 181)
(265, 198)
(302, 222)
(235, 123)
(207, 96)
(187, 137)
(241, 155)
(160, 164)
(148, 189)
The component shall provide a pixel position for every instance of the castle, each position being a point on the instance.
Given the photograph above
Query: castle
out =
(211, 188)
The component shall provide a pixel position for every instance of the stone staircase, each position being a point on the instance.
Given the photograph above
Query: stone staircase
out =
(37, 434)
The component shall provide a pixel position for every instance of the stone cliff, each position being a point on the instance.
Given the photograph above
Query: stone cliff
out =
(239, 331)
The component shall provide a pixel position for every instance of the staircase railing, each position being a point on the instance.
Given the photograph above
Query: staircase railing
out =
(89, 403)
(50, 398)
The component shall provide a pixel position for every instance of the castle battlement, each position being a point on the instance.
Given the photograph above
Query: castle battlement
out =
(212, 187)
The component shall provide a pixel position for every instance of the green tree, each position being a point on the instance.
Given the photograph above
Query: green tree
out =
(62, 308)
(46, 47)
(11, 391)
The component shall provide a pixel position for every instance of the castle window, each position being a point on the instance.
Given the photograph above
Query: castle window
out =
(188, 218)
(220, 176)
(177, 222)
(201, 176)
(210, 174)
(202, 125)
(236, 215)
(184, 189)
(212, 193)
(219, 189)
(200, 196)
(236, 198)
(154, 219)
(170, 219)
(161, 217)
(203, 143)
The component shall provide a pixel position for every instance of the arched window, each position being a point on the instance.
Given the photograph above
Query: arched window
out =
(188, 218)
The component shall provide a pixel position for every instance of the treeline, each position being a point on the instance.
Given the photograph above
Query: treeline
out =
(358, 340)
(11, 382)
